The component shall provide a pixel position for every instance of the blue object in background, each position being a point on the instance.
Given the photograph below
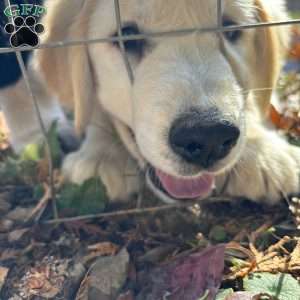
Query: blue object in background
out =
(292, 66)
(10, 71)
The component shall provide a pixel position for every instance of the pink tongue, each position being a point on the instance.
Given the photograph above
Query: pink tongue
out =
(179, 188)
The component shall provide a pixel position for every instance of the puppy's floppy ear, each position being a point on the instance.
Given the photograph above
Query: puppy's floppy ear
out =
(67, 70)
(269, 54)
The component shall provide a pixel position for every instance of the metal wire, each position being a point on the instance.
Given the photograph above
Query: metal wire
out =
(40, 122)
(153, 35)
(121, 42)
(219, 12)
(121, 39)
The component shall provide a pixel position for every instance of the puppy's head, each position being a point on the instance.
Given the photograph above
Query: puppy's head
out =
(187, 104)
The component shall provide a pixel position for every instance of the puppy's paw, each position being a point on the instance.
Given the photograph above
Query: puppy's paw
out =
(79, 166)
(267, 171)
(121, 180)
(119, 175)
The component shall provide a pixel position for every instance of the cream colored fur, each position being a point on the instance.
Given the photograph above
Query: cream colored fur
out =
(21, 117)
(199, 70)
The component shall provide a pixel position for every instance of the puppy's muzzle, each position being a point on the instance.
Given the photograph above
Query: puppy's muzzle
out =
(203, 138)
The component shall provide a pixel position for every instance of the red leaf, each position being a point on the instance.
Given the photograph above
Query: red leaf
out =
(186, 278)
(275, 116)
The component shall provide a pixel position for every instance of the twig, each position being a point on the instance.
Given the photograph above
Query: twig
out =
(205, 296)
(238, 237)
(37, 212)
(279, 244)
(254, 235)
(263, 228)
(135, 211)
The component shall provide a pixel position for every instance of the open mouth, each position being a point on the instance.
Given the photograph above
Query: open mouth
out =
(172, 189)
(168, 188)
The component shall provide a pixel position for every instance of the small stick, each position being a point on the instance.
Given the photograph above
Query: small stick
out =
(135, 211)
(279, 244)
(37, 212)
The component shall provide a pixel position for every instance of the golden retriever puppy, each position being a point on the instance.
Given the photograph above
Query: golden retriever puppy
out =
(194, 116)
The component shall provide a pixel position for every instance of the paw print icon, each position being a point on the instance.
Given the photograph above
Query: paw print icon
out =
(24, 32)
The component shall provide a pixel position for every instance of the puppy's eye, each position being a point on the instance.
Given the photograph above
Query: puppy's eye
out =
(132, 46)
(234, 35)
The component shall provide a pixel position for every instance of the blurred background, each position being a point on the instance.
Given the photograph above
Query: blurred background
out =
(294, 4)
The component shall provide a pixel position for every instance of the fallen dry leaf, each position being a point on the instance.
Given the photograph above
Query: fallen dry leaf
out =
(105, 248)
(188, 278)
(295, 45)
(275, 259)
(294, 262)
(9, 254)
(244, 296)
(3, 275)
(101, 249)
(126, 296)
(287, 120)
(35, 283)
(78, 226)
(105, 278)
(44, 280)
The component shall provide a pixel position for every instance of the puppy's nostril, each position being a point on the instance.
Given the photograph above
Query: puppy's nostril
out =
(229, 143)
(194, 148)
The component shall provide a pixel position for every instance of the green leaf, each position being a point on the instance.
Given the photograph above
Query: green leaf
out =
(9, 171)
(31, 152)
(294, 141)
(223, 294)
(36, 152)
(218, 234)
(53, 140)
(16, 171)
(280, 286)
(88, 198)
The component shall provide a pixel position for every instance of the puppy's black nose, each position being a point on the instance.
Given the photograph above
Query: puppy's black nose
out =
(201, 140)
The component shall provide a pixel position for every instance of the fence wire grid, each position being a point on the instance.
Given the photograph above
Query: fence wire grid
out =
(121, 39)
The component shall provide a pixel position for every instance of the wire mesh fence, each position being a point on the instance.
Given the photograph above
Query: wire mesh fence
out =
(120, 38)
